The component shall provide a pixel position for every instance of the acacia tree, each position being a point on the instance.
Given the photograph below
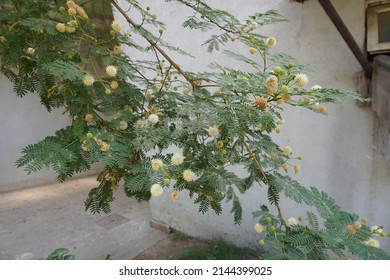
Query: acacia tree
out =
(126, 113)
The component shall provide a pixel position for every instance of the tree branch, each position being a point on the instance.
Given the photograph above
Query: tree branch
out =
(266, 181)
(156, 47)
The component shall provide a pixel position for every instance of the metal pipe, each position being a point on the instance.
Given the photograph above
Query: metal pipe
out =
(347, 36)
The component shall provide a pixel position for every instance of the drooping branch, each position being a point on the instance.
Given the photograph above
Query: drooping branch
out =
(156, 47)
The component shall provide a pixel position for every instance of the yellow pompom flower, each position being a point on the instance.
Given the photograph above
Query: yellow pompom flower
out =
(114, 84)
(271, 41)
(156, 164)
(116, 26)
(297, 168)
(301, 80)
(88, 80)
(259, 228)
(72, 11)
(287, 150)
(188, 175)
(156, 190)
(175, 196)
(213, 131)
(61, 27)
(111, 71)
(252, 50)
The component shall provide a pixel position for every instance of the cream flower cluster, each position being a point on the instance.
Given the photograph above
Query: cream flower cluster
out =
(213, 131)
(301, 79)
(372, 242)
(259, 228)
(177, 159)
(156, 164)
(111, 71)
(271, 41)
(291, 222)
(153, 118)
(188, 175)
(88, 80)
(156, 190)
(116, 26)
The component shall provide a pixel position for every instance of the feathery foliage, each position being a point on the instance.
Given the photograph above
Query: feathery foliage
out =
(126, 114)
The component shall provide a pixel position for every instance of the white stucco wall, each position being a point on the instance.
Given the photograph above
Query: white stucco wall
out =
(24, 121)
(338, 150)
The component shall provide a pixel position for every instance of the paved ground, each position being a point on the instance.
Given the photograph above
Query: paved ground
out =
(35, 221)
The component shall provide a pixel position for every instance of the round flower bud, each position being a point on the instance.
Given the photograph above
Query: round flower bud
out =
(89, 135)
(167, 181)
(291, 65)
(284, 89)
(123, 125)
(70, 29)
(73, 23)
(186, 91)
(271, 229)
(117, 49)
(108, 91)
(252, 50)
(154, 16)
(219, 144)
(285, 166)
(268, 219)
(114, 84)
(224, 152)
(261, 242)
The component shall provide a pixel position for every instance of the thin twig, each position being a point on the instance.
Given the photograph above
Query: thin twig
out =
(158, 48)
(266, 181)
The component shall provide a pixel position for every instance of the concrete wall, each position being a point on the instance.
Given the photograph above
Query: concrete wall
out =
(338, 150)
